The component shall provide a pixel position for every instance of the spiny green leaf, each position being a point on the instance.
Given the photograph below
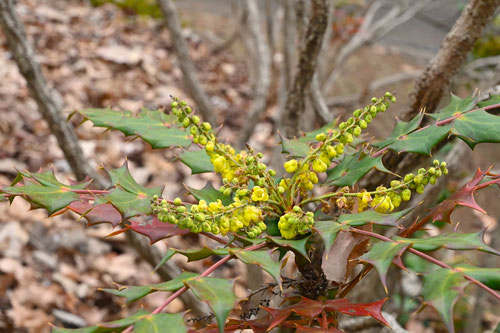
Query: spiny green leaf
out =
(477, 127)
(494, 99)
(160, 323)
(328, 231)
(128, 204)
(134, 293)
(371, 216)
(169, 254)
(262, 259)
(401, 128)
(421, 141)
(154, 127)
(121, 177)
(381, 255)
(347, 174)
(488, 276)
(457, 105)
(452, 241)
(205, 252)
(294, 147)
(441, 289)
(209, 194)
(198, 161)
(217, 293)
(298, 246)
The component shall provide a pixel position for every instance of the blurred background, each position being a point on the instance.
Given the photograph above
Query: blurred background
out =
(120, 54)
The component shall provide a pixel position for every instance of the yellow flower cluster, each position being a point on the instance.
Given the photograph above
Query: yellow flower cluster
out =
(295, 222)
(213, 217)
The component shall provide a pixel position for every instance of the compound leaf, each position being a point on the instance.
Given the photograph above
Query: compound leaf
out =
(452, 241)
(217, 293)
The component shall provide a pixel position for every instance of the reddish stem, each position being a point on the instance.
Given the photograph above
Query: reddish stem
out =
(204, 274)
(430, 259)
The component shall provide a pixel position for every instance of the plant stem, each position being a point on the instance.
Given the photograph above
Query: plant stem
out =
(204, 274)
(430, 259)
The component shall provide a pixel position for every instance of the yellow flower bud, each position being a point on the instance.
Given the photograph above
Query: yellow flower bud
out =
(291, 166)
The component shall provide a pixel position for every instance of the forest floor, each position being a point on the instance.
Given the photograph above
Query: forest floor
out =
(51, 268)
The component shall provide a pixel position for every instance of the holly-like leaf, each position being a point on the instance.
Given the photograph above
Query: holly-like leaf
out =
(328, 231)
(441, 289)
(262, 259)
(381, 256)
(217, 293)
(121, 177)
(209, 194)
(477, 127)
(294, 147)
(154, 127)
(169, 254)
(103, 213)
(402, 128)
(421, 141)
(452, 241)
(462, 197)
(457, 105)
(494, 99)
(113, 326)
(373, 309)
(488, 276)
(134, 293)
(371, 216)
(154, 229)
(43, 190)
(198, 161)
(298, 246)
(205, 252)
(161, 322)
(350, 170)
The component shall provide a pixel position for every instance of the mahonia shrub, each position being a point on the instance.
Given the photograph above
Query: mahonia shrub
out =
(258, 210)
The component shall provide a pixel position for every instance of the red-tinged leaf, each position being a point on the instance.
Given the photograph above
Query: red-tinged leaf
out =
(308, 308)
(103, 213)
(305, 329)
(278, 315)
(463, 197)
(373, 309)
(154, 229)
(258, 325)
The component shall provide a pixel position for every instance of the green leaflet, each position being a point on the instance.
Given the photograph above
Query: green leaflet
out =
(43, 190)
(205, 252)
(217, 293)
(298, 246)
(494, 99)
(113, 326)
(169, 254)
(452, 241)
(154, 127)
(441, 289)
(161, 322)
(457, 105)
(381, 255)
(209, 194)
(328, 231)
(198, 161)
(262, 259)
(402, 128)
(294, 147)
(421, 141)
(488, 276)
(134, 293)
(477, 127)
(350, 170)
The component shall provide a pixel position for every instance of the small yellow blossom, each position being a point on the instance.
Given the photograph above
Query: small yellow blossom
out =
(259, 194)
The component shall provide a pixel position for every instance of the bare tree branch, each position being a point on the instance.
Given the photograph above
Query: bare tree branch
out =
(435, 81)
(24, 56)
(372, 30)
(185, 62)
(263, 74)
(307, 61)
